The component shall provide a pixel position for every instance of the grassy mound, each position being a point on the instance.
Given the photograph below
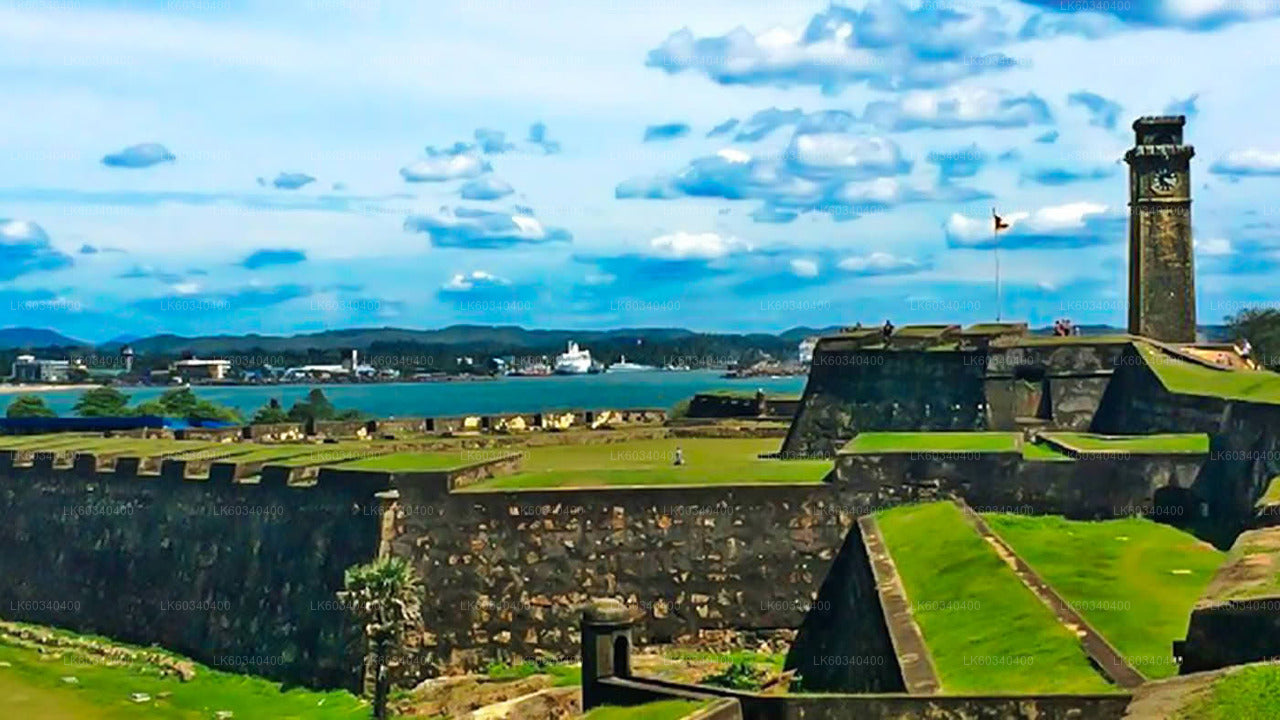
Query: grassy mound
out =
(1134, 580)
(1040, 452)
(1249, 571)
(1250, 693)
(923, 442)
(986, 632)
(707, 461)
(1189, 378)
(1166, 443)
(665, 710)
(411, 462)
(66, 684)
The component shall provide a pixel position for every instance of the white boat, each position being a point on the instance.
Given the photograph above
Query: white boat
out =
(623, 366)
(575, 361)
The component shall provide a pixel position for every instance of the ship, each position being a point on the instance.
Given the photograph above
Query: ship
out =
(574, 361)
(623, 366)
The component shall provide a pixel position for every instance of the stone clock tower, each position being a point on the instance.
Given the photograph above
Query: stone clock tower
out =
(1162, 292)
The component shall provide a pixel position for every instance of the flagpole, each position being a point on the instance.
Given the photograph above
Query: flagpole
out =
(995, 247)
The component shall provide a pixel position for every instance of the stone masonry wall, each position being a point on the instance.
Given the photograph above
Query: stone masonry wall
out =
(240, 577)
(1092, 486)
(1244, 438)
(854, 390)
(508, 571)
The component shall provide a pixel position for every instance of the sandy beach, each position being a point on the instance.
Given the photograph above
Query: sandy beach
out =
(19, 389)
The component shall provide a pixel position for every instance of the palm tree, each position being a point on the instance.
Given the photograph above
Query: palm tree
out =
(384, 596)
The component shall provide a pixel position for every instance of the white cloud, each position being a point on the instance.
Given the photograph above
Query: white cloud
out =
(801, 267)
(845, 154)
(464, 282)
(1072, 224)
(884, 44)
(885, 191)
(472, 228)
(1250, 161)
(1214, 247)
(877, 263)
(960, 107)
(599, 279)
(439, 168)
(696, 246)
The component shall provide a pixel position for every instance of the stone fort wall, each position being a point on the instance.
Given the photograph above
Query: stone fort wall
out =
(243, 576)
(853, 389)
(238, 576)
(509, 571)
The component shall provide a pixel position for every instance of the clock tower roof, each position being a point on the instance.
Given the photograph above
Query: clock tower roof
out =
(1159, 129)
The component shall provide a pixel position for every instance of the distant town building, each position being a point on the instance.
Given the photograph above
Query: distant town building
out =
(806, 349)
(190, 370)
(27, 369)
(350, 369)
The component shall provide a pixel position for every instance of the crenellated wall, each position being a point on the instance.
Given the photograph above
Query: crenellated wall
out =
(243, 575)
(238, 576)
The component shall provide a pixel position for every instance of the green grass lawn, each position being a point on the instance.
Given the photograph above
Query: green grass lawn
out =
(986, 631)
(413, 461)
(707, 461)
(923, 331)
(565, 674)
(142, 447)
(1134, 580)
(322, 455)
(61, 442)
(1272, 495)
(1166, 443)
(994, 328)
(771, 661)
(14, 442)
(216, 451)
(665, 710)
(269, 453)
(902, 442)
(1250, 693)
(1182, 376)
(1250, 568)
(32, 686)
(147, 448)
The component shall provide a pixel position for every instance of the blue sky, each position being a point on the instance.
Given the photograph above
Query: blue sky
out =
(277, 167)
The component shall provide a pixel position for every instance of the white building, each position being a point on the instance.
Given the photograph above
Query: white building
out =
(806, 349)
(27, 369)
(197, 370)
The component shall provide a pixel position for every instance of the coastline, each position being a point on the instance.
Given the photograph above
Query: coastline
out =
(44, 387)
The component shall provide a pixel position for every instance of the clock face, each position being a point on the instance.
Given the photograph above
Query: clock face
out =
(1164, 181)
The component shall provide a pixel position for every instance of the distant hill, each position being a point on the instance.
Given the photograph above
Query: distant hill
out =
(475, 339)
(20, 338)
(504, 337)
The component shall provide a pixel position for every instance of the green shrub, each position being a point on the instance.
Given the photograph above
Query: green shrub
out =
(740, 675)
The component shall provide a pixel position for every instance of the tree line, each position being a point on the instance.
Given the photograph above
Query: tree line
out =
(185, 404)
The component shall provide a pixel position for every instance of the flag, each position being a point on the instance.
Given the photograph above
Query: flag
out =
(1000, 223)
